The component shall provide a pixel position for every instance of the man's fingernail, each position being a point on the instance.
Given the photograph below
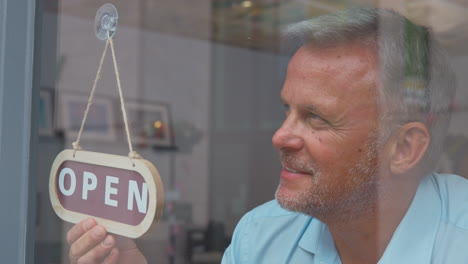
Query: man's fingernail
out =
(113, 252)
(88, 224)
(107, 242)
(98, 232)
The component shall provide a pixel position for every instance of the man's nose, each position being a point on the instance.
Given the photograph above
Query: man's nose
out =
(287, 137)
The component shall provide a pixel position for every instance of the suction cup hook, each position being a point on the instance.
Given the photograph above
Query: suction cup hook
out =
(105, 22)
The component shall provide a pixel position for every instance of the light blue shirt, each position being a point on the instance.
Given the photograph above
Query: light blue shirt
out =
(434, 230)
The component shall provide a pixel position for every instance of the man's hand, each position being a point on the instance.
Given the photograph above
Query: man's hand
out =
(90, 243)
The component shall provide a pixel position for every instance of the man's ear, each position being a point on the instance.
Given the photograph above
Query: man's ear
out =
(409, 146)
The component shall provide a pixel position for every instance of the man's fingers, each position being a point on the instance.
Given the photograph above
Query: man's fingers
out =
(87, 242)
(104, 252)
(113, 257)
(79, 229)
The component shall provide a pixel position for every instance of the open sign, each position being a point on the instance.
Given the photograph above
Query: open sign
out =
(126, 196)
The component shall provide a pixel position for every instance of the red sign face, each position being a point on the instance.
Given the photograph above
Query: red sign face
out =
(115, 194)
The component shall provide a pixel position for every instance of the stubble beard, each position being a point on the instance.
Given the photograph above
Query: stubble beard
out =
(326, 202)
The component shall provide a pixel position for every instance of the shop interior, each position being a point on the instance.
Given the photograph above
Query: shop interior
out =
(201, 81)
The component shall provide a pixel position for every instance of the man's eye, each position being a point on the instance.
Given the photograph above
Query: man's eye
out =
(286, 107)
(316, 119)
(313, 116)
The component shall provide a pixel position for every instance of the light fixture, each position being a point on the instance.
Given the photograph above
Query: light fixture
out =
(246, 4)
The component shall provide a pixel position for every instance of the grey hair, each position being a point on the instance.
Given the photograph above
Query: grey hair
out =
(400, 101)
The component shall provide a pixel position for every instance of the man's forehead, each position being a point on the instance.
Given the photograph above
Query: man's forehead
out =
(310, 55)
(344, 67)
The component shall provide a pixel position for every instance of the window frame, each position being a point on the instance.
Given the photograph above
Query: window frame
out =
(19, 95)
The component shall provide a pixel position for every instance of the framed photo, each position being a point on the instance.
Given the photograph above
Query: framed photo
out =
(46, 119)
(150, 124)
(100, 121)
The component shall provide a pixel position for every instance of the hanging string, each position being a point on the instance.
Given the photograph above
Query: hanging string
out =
(132, 153)
(76, 144)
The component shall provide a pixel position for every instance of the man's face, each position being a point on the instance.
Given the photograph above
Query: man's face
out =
(328, 141)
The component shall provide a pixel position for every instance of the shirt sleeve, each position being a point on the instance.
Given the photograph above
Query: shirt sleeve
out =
(237, 252)
(228, 257)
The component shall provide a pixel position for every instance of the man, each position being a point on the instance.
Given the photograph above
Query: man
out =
(363, 127)
(367, 102)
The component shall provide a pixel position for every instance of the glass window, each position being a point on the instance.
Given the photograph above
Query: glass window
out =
(340, 115)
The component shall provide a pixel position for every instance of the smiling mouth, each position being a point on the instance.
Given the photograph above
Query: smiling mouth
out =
(291, 170)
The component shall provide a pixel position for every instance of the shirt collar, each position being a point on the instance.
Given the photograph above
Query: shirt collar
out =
(413, 239)
(415, 235)
(317, 240)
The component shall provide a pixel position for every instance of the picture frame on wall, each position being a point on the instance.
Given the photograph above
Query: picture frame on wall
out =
(46, 112)
(100, 123)
(150, 124)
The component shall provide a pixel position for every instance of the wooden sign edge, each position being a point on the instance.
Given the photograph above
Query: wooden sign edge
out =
(159, 197)
(143, 167)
